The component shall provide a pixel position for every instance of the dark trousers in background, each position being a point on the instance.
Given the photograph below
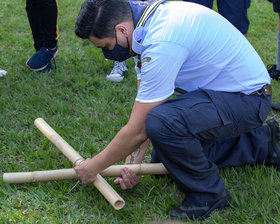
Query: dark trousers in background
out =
(42, 16)
(200, 131)
(235, 11)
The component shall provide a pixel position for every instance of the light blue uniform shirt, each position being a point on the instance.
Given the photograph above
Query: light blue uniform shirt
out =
(189, 46)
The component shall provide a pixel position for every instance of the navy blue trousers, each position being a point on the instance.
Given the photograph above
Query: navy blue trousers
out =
(201, 131)
(235, 11)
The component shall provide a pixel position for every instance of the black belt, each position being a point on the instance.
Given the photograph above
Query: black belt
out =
(267, 89)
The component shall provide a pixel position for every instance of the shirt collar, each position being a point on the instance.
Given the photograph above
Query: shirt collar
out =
(138, 35)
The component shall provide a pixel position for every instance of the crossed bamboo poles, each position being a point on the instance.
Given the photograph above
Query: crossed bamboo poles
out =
(66, 174)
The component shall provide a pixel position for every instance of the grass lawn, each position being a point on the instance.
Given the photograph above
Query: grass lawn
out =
(87, 111)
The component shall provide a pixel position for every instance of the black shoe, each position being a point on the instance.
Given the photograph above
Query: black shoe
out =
(275, 106)
(273, 134)
(273, 73)
(186, 211)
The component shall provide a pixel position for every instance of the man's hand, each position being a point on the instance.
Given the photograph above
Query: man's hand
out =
(84, 172)
(128, 179)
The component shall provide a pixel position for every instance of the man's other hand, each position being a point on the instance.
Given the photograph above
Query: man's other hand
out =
(128, 179)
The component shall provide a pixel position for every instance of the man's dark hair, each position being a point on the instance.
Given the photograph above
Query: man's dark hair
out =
(99, 17)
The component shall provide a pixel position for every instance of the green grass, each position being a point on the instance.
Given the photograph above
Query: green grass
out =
(87, 111)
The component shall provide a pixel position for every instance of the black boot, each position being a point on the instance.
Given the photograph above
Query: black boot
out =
(273, 135)
(187, 211)
(273, 72)
(275, 105)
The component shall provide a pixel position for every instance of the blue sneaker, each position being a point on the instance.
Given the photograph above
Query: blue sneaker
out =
(47, 69)
(41, 60)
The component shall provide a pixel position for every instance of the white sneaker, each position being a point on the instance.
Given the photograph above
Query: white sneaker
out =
(117, 73)
(2, 72)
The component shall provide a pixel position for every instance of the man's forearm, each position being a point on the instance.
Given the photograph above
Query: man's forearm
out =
(128, 139)
(137, 156)
(124, 143)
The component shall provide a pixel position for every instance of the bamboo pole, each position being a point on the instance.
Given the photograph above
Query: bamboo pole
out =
(108, 192)
(39, 176)
(69, 174)
(139, 169)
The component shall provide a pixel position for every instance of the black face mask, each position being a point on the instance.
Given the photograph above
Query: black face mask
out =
(119, 53)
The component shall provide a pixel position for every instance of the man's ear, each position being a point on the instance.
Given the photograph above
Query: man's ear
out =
(122, 29)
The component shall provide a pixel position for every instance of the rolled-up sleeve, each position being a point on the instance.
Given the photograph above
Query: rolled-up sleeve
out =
(161, 63)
